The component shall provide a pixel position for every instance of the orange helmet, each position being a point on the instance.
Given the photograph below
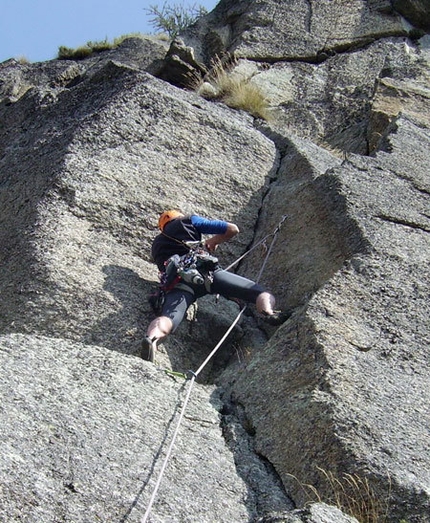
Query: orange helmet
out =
(166, 217)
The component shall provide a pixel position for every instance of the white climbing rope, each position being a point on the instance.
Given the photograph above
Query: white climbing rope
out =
(269, 251)
(263, 240)
(184, 406)
(194, 375)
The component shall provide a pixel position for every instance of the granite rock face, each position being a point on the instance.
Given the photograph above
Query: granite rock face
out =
(303, 30)
(98, 188)
(335, 187)
(85, 433)
(365, 319)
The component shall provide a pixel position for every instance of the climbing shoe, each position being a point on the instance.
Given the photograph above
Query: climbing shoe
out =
(277, 318)
(148, 348)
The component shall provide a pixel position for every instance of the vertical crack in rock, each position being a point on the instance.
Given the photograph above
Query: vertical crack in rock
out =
(308, 21)
(266, 495)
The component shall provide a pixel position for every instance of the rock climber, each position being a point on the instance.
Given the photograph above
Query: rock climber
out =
(170, 248)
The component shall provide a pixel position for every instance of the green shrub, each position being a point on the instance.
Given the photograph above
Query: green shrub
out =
(174, 18)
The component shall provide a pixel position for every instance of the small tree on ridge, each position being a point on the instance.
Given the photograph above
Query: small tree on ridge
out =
(174, 18)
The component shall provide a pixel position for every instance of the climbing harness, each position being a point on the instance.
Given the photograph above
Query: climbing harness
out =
(195, 267)
(192, 376)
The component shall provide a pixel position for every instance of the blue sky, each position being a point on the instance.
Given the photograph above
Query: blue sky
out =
(34, 29)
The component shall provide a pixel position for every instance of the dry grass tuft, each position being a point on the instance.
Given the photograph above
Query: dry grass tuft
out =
(352, 494)
(223, 84)
(355, 496)
(247, 96)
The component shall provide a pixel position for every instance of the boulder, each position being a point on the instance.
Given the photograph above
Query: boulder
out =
(366, 323)
(85, 432)
(272, 31)
(179, 67)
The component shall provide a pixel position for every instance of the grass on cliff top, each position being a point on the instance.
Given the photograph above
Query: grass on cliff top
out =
(221, 83)
(170, 19)
(90, 48)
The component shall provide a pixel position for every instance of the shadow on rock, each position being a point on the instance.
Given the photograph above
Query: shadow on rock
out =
(123, 329)
(198, 335)
(188, 347)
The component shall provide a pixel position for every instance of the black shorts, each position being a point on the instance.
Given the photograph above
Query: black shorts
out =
(176, 304)
(232, 285)
(227, 284)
